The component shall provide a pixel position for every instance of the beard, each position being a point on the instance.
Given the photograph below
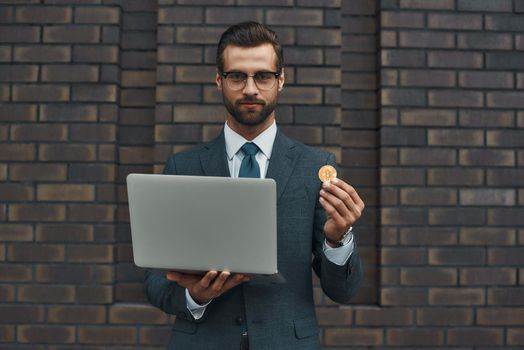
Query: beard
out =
(250, 117)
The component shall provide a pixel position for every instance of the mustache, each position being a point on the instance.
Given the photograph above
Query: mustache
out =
(251, 100)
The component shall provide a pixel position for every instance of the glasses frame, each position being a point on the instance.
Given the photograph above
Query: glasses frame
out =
(226, 74)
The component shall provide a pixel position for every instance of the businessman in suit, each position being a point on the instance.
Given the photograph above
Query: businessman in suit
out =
(227, 311)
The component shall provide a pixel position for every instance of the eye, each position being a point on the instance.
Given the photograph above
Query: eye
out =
(264, 76)
(236, 76)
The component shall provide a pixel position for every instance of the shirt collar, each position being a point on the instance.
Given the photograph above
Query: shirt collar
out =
(264, 141)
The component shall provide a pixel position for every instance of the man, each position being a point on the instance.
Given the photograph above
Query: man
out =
(226, 311)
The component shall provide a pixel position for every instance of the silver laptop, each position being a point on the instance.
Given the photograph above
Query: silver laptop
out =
(200, 223)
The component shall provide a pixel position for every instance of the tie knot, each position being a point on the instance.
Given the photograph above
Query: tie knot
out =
(249, 148)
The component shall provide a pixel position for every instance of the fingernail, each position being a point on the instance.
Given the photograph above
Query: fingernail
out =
(335, 180)
(322, 191)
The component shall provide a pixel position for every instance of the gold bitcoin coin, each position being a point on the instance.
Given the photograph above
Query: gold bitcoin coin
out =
(327, 173)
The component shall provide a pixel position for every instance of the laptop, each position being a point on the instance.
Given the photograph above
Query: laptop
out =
(200, 223)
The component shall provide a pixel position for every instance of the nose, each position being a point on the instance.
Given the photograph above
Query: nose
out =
(250, 88)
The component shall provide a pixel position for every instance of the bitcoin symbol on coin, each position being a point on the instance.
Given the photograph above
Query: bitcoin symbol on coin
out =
(327, 173)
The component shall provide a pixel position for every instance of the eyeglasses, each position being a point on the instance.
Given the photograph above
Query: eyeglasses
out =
(238, 80)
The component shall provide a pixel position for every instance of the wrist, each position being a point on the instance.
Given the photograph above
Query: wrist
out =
(343, 240)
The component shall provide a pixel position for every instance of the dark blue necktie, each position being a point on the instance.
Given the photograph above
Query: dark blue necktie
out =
(249, 166)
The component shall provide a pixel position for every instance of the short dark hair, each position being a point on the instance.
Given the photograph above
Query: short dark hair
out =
(248, 34)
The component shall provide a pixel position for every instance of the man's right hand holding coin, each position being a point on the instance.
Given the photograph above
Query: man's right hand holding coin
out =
(343, 207)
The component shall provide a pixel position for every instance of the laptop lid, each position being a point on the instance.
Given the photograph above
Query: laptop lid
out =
(202, 223)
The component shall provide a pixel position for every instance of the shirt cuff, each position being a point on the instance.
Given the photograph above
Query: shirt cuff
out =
(339, 255)
(196, 309)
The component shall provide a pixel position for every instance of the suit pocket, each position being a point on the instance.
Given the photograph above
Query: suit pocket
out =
(185, 326)
(305, 327)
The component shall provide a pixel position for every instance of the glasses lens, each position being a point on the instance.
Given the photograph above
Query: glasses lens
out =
(265, 80)
(236, 80)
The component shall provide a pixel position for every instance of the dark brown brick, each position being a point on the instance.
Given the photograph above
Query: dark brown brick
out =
(431, 78)
(403, 58)
(426, 39)
(488, 197)
(423, 4)
(455, 176)
(21, 314)
(444, 316)
(187, 93)
(38, 172)
(504, 22)
(12, 192)
(70, 113)
(36, 212)
(69, 152)
(19, 34)
(65, 192)
(319, 37)
(95, 294)
(504, 177)
(39, 132)
(487, 236)
(506, 296)
(7, 333)
(89, 253)
(70, 73)
(402, 176)
(488, 276)
(64, 273)
(457, 256)
(384, 317)
(45, 334)
(428, 196)
(15, 273)
(63, 233)
(95, 54)
(485, 118)
(41, 93)
(18, 73)
(428, 236)
(454, 59)
(457, 216)
(455, 21)
(18, 112)
(414, 337)
(46, 294)
(42, 53)
(98, 14)
(515, 336)
(488, 41)
(35, 252)
(488, 157)
(484, 5)
(475, 336)
(43, 14)
(97, 93)
(402, 19)
(457, 296)
(15, 232)
(428, 276)
(423, 117)
(293, 17)
(71, 34)
(107, 335)
(131, 314)
(404, 296)
(76, 314)
(427, 156)
(353, 336)
(504, 60)
(403, 256)
(333, 316)
(506, 256)
(91, 212)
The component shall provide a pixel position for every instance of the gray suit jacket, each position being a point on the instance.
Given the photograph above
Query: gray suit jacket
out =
(278, 316)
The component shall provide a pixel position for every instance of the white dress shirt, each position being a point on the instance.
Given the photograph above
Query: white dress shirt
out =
(265, 142)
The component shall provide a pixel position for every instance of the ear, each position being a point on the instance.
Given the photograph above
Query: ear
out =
(218, 80)
(281, 80)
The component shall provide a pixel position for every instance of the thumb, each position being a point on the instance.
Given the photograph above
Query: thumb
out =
(173, 276)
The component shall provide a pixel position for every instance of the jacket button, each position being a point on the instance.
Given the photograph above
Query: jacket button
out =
(239, 320)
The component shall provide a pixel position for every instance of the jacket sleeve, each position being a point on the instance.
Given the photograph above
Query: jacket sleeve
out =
(166, 295)
(339, 283)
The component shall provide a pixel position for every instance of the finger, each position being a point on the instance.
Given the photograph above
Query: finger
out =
(351, 190)
(341, 191)
(220, 280)
(331, 211)
(341, 207)
(207, 279)
(234, 281)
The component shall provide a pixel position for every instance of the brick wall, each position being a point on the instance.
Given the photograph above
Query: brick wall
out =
(421, 101)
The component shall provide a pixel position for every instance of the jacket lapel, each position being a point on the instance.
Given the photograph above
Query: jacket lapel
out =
(283, 159)
(214, 157)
